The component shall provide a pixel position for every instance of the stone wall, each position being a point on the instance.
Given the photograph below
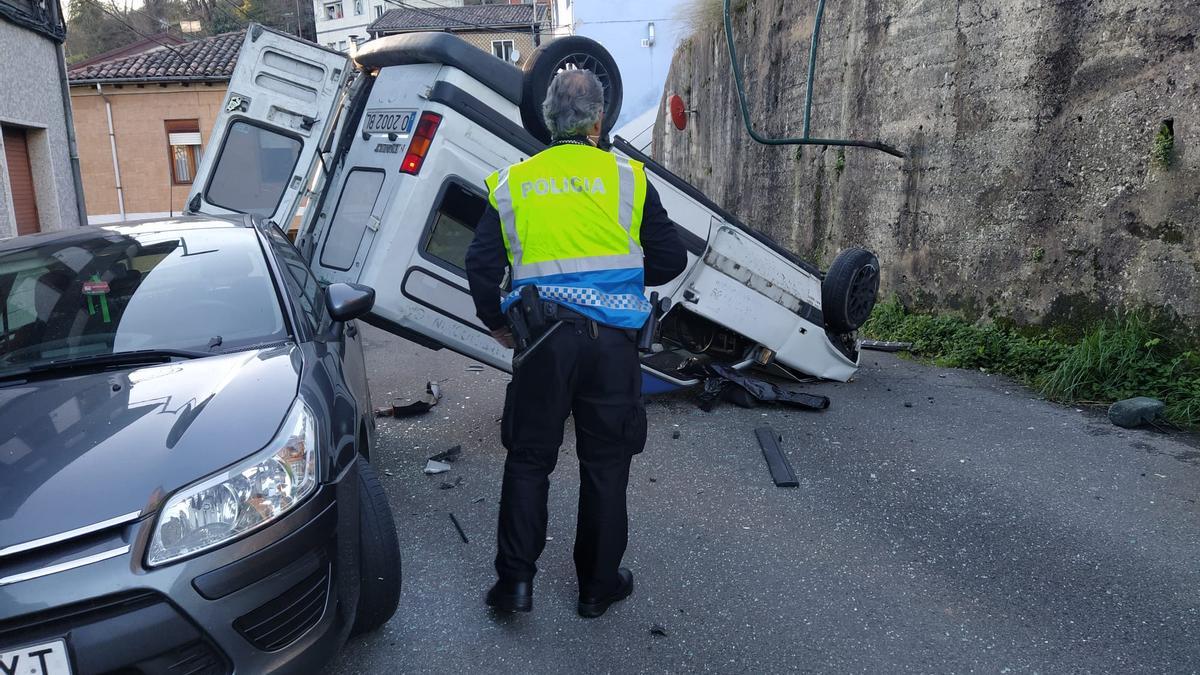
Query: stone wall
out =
(1029, 191)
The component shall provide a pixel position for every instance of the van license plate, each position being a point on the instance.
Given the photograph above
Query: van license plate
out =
(48, 658)
(389, 121)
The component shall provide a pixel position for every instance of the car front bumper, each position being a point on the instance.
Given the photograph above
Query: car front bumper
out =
(280, 600)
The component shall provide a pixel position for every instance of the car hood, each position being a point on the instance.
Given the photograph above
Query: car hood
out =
(80, 450)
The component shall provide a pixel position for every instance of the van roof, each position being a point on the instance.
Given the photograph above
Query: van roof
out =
(411, 48)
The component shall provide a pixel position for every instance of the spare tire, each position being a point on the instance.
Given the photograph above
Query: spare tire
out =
(850, 290)
(573, 52)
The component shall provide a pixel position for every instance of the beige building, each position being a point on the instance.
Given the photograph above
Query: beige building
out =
(508, 31)
(143, 121)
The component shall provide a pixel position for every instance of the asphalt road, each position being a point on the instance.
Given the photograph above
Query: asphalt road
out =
(979, 530)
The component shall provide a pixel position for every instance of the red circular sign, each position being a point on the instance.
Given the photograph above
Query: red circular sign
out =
(678, 112)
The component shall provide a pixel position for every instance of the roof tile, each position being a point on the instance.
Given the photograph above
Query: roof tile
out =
(209, 58)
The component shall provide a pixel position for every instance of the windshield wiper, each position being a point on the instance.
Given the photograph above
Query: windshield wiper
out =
(101, 361)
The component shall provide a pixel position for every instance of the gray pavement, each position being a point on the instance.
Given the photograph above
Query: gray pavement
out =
(979, 530)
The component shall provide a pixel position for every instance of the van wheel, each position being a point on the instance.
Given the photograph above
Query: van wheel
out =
(379, 554)
(850, 290)
(573, 52)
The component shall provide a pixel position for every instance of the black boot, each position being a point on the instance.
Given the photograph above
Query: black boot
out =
(511, 596)
(590, 607)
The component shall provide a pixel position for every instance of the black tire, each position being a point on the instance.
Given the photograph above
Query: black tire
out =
(568, 53)
(379, 554)
(850, 290)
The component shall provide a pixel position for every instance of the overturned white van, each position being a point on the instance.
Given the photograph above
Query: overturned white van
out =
(388, 155)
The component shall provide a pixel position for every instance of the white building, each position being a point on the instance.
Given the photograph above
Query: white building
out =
(339, 22)
(640, 35)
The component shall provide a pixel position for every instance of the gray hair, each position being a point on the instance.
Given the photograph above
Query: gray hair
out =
(574, 103)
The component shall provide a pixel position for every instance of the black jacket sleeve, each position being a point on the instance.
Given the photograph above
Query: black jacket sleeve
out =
(486, 261)
(666, 258)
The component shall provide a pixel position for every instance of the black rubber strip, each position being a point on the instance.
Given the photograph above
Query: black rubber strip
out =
(777, 462)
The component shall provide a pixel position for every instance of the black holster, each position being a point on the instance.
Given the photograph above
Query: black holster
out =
(527, 318)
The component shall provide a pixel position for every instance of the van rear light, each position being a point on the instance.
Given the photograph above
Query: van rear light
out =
(422, 139)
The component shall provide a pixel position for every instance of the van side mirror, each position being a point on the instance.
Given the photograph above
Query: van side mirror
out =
(348, 301)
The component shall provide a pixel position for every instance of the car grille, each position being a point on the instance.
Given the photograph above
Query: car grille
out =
(66, 551)
(198, 658)
(282, 621)
(158, 639)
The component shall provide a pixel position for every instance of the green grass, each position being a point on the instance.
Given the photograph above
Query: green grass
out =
(1122, 357)
(1163, 151)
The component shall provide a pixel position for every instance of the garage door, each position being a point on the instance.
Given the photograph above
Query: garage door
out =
(20, 180)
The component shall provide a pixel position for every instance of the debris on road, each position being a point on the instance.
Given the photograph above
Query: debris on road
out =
(1135, 412)
(433, 394)
(449, 456)
(433, 467)
(885, 346)
(447, 485)
(658, 631)
(747, 391)
(675, 434)
(459, 528)
(477, 500)
(777, 462)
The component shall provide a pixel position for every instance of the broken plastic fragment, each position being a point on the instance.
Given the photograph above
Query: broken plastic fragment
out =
(449, 455)
(433, 394)
(432, 468)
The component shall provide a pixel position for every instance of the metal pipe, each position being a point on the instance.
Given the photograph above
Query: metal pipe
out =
(72, 146)
(739, 84)
(812, 67)
(112, 143)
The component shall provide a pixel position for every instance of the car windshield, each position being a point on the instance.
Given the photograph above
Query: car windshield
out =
(118, 290)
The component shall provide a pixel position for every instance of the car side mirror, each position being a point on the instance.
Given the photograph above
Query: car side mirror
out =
(348, 301)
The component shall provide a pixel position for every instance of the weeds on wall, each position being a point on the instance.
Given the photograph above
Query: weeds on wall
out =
(705, 16)
(1163, 151)
(1120, 358)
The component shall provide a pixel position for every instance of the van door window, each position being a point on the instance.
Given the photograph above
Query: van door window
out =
(453, 227)
(253, 169)
(350, 217)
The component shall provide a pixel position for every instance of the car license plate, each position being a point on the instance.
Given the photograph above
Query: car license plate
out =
(389, 121)
(48, 658)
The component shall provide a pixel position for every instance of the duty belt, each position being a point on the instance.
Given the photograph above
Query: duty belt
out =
(532, 320)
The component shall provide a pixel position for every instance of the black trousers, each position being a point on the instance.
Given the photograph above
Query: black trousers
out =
(594, 375)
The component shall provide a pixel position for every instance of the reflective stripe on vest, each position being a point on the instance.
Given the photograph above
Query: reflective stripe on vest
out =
(571, 219)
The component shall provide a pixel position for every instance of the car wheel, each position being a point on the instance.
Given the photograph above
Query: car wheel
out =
(573, 52)
(379, 554)
(850, 290)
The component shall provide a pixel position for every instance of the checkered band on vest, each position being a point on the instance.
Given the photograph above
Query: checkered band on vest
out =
(590, 297)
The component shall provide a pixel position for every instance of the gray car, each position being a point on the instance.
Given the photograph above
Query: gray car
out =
(185, 429)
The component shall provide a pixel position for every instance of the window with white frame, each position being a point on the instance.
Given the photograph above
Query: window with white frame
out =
(503, 49)
(183, 140)
(378, 11)
(333, 10)
(358, 7)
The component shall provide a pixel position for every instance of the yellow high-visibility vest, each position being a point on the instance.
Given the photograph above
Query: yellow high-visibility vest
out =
(572, 218)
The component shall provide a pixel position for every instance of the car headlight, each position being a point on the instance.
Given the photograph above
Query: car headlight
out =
(243, 498)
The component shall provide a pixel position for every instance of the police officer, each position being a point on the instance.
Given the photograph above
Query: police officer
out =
(587, 229)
